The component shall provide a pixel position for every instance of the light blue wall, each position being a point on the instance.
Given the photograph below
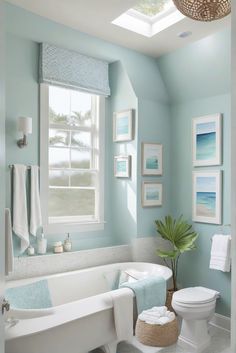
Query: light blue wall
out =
(198, 79)
(154, 127)
(124, 191)
(134, 77)
(199, 70)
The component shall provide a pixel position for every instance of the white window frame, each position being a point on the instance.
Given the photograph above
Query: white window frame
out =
(65, 226)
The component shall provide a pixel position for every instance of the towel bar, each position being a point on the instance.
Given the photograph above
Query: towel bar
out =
(12, 165)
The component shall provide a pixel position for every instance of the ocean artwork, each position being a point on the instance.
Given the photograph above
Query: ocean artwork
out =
(122, 125)
(152, 163)
(206, 196)
(121, 166)
(152, 194)
(206, 141)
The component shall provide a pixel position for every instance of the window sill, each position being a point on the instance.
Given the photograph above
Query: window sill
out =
(53, 228)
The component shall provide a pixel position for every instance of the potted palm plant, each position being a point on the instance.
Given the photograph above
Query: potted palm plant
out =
(182, 238)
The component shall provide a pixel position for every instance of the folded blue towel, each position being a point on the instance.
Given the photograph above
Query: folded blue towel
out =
(35, 295)
(149, 292)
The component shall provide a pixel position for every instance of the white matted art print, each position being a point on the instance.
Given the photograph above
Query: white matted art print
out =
(152, 159)
(207, 197)
(122, 166)
(123, 126)
(207, 140)
(151, 194)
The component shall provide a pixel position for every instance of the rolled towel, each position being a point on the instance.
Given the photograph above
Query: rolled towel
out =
(157, 316)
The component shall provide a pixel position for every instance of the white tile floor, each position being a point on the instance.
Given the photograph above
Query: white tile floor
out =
(220, 344)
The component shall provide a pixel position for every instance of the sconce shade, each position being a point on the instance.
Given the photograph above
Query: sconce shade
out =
(204, 10)
(25, 125)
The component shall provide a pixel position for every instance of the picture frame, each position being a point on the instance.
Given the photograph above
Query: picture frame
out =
(122, 166)
(207, 197)
(152, 194)
(207, 140)
(152, 159)
(123, 125)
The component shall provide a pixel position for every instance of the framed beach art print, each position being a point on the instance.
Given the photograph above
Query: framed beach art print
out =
(122, 166)
(207, 140)
(207, 197)
(123, 126)
(151, 159)
(151, 194)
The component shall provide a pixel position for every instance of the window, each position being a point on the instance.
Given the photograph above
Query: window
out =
(71, 159)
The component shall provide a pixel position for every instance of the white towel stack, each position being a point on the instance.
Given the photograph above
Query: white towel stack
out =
(157, 316)
(220, 253)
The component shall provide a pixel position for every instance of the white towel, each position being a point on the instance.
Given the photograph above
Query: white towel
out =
(20, 217)
(9, 255)
(35, 207)
(220, 253)
(157, 316)
(123, 313)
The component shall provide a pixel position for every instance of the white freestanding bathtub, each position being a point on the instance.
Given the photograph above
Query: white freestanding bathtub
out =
(81, 317)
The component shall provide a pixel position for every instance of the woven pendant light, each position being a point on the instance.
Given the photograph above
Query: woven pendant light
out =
(204, 10)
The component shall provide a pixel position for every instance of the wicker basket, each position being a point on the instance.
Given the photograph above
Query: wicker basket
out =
(157, 335)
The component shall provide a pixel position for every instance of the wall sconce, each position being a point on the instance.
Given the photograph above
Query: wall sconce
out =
(24, 126)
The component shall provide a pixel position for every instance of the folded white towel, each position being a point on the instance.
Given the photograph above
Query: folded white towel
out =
(9, 255)
(123, 313)
(157, 316)
(220, 253)
(35, 207)
(20, 217)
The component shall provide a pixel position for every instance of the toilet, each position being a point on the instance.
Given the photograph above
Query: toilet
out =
(196, 306)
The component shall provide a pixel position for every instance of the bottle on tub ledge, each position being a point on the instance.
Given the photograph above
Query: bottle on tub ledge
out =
(41, 244)
(67, 243)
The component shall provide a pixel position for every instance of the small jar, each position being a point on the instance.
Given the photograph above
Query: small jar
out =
(30, 250)
(67, 244)
(58, 247)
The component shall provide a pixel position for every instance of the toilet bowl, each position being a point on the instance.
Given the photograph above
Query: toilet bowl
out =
(196, 306)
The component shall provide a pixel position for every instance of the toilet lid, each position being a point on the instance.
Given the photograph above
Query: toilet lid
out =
(195, 295)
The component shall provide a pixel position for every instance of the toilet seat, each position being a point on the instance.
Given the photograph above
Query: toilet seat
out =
(195, 296)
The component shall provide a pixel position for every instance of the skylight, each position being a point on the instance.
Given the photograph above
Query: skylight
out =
(152, 7)
(149, 17)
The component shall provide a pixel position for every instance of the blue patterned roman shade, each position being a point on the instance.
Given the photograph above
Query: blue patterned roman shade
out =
(68, 68)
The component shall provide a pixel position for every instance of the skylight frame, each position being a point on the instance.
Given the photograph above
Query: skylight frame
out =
(148, 26)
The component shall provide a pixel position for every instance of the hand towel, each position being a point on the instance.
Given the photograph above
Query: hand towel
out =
(20, 217)
(149, 292)
(35, 207)
(123, 313)
(220, 253)
(9, 255)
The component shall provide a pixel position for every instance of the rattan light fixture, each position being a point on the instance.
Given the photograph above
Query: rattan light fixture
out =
(204, 10)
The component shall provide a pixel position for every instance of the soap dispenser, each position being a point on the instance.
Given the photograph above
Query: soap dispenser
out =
(67, 244)
(41, 245)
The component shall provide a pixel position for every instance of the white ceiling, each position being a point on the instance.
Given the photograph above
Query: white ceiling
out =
(95, 16)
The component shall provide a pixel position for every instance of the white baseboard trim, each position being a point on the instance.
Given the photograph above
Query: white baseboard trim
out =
(221, 321)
